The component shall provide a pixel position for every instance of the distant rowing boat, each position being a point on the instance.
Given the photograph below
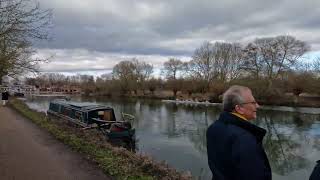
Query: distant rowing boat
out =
(191, 102)
(306, 110)
(49, 95)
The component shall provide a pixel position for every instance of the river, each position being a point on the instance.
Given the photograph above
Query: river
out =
(175, 133)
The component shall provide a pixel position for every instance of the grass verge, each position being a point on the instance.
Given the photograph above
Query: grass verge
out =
(117, 162)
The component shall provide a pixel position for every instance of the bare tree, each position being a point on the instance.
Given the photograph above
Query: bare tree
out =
(202, 66)
(227, 58)
(316, 65)
(124, 71)
(152, 84)
(142, 72)
(87, 84)
(269, 57)
(316, 68)
(57, 79)
(301, 82)
(106, 76)
(253, 61)
(190, 86)
(142, 69)
(175, 85)
(74, 80)
(219, 61)
(22, 23)
(172, 67)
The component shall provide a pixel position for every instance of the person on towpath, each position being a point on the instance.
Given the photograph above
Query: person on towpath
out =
(5, 97)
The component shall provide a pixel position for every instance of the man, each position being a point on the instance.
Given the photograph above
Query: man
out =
(234, 145)
(315, 175)
(5, 97)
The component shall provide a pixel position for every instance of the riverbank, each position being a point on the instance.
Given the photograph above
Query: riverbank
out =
(118, 162)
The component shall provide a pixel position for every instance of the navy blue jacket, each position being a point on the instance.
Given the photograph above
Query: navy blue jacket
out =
(315, 175)
(235, 150)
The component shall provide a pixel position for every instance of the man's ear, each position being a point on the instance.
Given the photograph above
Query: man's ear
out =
(238, 109)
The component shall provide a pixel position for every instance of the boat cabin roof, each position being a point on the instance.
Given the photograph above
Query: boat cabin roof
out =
(83, 106)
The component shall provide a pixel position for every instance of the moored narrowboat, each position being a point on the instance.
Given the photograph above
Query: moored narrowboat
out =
(91, 115)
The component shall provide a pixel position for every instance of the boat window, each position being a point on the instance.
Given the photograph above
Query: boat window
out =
(100, 115)
(66, 111)
(107, 116)
(54, 107)
(78, 115)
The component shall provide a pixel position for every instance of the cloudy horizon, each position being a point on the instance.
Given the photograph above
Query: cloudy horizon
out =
(95, 35)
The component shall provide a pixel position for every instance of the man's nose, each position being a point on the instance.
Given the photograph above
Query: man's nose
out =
(257, 105)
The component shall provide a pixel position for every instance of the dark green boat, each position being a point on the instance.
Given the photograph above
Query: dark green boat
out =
(90, 115)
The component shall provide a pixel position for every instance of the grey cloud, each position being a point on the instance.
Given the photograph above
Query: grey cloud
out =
(160, 26)
(77, 60)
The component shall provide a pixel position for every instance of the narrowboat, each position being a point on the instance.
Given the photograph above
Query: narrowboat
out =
(90, 115)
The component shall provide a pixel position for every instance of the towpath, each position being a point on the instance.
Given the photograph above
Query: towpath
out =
(29, 153)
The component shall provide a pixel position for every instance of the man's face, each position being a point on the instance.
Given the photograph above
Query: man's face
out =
(248, 109)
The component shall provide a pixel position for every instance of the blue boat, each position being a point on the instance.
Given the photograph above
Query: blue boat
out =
(91, 115)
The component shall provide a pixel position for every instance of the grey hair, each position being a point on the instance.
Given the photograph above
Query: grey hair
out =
(233, 96)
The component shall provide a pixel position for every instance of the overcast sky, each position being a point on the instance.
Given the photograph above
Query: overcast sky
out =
(94, 35)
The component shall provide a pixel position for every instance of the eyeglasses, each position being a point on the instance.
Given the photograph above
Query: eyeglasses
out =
(252, 102)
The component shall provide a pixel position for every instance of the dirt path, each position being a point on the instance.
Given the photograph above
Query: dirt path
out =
(29, 153)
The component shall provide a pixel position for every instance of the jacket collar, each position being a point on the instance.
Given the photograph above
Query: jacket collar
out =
(239, 115)
(229, 118)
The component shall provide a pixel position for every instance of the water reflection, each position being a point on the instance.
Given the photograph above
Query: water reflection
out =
(283, 151)
(288, 142)
(177, 134)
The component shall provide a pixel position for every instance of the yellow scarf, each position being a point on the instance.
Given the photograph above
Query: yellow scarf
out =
(239, 115)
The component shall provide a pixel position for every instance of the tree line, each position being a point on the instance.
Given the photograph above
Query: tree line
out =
(271, 66)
